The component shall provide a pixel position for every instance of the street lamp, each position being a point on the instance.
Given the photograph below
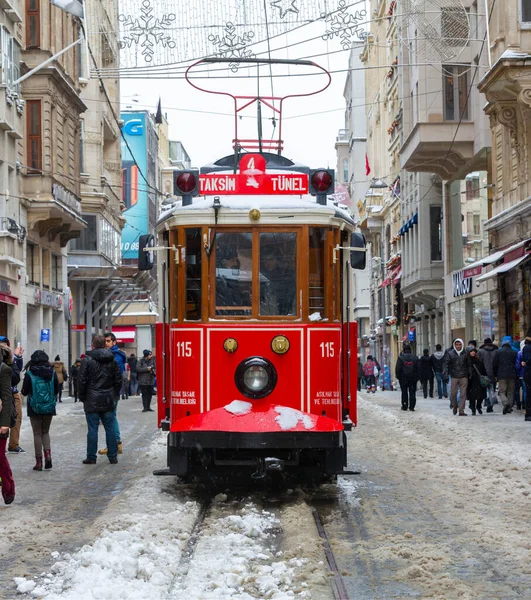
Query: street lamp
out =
(380, 184)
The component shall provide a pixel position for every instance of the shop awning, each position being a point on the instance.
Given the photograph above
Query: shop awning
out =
(386, 282)
(498, 255)
(124, 334)
(7, 299)
(503, 268)
(396, 275)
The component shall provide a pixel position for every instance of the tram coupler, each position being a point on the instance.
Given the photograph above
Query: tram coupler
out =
(165, 424)
(347, 424)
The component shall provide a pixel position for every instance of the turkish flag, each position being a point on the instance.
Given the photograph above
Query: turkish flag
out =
(367, 166)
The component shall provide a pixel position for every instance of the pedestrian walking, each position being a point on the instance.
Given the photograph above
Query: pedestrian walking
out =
(100, 380)
(426, 373)
(370, 372)
(111, 343)
(7, 418)
(133, 382)
(487, 352)
(455, 365)
(74, 372)
(125, 381)
(146, 378)
(360, 373)
(62, 375)
(505, 372)
(41, 387)
(477, 381)
(526, 365)
(520, 377)
(16, 369)
(437, 365)
(407, 373)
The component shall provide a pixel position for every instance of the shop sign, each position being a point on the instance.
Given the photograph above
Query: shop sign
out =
(461, 285)
(45, 335)
(80, 327)
(47, 298)
(472, 272)
(62, 195)
(411, 335)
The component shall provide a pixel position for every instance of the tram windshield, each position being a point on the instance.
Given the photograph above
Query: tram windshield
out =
(278, 273)
(234, 274)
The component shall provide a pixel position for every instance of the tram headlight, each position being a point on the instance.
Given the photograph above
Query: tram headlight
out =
(255, 377)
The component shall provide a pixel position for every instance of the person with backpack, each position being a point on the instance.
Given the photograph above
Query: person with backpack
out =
(62, 375)
(407, 373)
(437, 359)
(455, 365)
(370, 369)
(526, 366)
(505, 373)
(426, 374)
(100, 380)
(41, 387)
(8, 418)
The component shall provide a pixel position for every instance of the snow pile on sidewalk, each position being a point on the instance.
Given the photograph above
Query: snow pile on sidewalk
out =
(234, 560)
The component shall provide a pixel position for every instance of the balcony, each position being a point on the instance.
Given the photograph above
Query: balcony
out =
(11, 110)
(343, 135)
(13, 10)
(53, 211)
(442, 147)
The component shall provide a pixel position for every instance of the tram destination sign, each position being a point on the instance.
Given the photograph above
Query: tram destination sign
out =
(260, 183)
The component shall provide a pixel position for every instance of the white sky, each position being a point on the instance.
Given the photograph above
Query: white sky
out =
(309, 140)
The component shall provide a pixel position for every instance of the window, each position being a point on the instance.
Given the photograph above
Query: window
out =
(88, 240)
(9, 59)
(477, 225)
(278, 274)
(472, 187)
(193, 274)
(345, 170)
(33, 24)
(454, 26)
(435, 233)
(109, 240)
(455, 86)
(234, 274)
(57, 283)
(33, 115)
(525, 7)
(316, 265)
(33, 263)
(46, 269)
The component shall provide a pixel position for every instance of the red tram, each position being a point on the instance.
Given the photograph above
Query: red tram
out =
(256, 352)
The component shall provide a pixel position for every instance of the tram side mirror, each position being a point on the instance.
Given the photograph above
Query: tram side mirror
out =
(358, 260)
(146, 258)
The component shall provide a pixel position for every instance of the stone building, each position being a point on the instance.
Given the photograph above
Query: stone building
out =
(507, 87)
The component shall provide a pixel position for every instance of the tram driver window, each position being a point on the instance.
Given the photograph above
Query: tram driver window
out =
(234, 274)
(193, 274)
(278, 274)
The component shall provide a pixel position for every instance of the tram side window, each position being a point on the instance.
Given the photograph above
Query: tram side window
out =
(193, 274)
(278, 274)
(234, 274)
(316, 268)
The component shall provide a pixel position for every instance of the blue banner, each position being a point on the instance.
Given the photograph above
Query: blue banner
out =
(45, 335)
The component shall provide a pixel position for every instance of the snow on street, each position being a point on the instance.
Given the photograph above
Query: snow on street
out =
(438, 512)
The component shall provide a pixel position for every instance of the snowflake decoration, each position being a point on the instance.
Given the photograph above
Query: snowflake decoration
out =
(344, 25)
(148, 31)
(285, 6)
(232, 45)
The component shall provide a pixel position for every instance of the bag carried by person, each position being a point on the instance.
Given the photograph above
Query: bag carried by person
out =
(42, 399)
(376, 371)
(484, 380)
(368, 368)
(408, 367)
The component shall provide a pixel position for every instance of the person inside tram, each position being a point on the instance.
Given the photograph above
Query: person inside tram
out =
(231, 288)
(278, 291)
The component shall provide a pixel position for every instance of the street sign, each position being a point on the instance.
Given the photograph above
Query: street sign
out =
(45, 335)
(264, 184)
(78, 327)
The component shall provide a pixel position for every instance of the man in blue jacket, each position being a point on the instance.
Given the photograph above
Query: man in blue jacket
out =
(111, 343)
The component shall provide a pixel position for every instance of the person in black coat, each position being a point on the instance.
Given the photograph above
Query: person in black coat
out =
(504, 367)
(6, 407)
(407, 373)
(99, 381)
(476, 392)
(426, 374)
(40, 371)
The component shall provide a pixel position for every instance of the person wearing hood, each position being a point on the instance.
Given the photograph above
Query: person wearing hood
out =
(505, 372)
(407, 373)
(520, 377)
(41, 387)
(526, 366)
(487, 352)
(426, 374)
(100, 380)
(62, 375)
(146, 379)
(477, 392)
(111, 343)
(455, 365)
(7, 407)
(370, 373)
(437, 359)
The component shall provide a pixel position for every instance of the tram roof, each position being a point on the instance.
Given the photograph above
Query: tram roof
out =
(274, 209)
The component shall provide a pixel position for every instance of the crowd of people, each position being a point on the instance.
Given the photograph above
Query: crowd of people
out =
(98, 379)
(477, 375)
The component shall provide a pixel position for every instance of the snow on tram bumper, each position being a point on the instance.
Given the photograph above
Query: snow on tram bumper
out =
(261, 437)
